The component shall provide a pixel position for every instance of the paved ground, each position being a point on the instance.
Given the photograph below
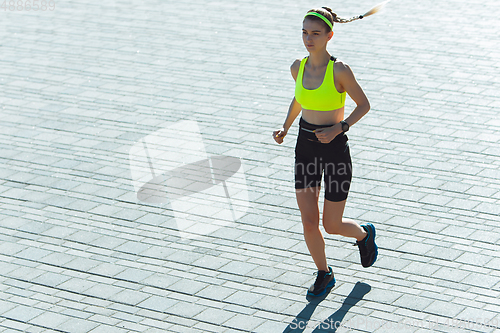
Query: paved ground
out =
(96, 98)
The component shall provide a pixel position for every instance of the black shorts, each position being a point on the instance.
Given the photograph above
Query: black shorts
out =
(313, 158)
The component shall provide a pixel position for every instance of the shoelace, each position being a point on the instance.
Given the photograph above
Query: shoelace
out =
(319, 278)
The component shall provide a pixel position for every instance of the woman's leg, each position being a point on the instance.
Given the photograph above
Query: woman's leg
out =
(307, 200)
(335, 224)
(365, 235)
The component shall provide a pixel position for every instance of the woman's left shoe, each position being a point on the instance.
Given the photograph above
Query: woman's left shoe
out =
(367, 247)
(324, 280)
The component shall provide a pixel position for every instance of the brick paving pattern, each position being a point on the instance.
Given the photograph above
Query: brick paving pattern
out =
(82, 84)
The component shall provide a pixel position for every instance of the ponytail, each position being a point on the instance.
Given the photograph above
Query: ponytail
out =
(372, 11)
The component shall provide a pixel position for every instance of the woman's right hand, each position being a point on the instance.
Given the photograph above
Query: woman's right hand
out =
(279, 135)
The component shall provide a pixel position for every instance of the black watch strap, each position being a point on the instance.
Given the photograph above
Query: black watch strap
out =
(345, 126)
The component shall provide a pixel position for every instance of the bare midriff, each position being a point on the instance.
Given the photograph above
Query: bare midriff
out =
(323, 117)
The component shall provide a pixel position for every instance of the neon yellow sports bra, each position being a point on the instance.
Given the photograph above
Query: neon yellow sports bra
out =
(325, 97)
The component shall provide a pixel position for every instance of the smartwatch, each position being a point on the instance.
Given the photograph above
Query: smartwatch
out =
(345, 126)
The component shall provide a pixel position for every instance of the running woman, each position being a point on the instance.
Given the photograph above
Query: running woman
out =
(321, 83)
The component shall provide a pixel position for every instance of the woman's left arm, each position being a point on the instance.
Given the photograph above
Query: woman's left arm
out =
(344, 76)
(352, 87)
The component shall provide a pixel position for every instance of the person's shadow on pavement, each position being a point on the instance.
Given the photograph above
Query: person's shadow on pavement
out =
(301, 321)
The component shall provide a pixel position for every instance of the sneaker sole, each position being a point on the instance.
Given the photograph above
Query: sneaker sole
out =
(330, 285)
(372, 227)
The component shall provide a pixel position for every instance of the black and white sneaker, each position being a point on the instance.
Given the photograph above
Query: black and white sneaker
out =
(368, 250)
(324, 280)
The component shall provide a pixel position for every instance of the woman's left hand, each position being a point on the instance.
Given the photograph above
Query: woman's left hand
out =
(327, 134)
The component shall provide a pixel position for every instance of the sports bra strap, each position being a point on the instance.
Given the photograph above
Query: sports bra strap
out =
(331, 58)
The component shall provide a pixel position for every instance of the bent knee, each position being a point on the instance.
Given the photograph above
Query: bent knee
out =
(333, 228)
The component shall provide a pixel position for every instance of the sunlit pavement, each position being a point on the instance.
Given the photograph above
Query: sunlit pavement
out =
(141, 190)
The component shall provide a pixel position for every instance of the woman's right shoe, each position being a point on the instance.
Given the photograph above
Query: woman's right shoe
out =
(368, 250)
(324, 280)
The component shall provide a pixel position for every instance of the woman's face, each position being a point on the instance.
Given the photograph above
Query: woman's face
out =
(314, 35)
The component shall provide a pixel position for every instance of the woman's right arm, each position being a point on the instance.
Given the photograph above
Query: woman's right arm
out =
(293, 110)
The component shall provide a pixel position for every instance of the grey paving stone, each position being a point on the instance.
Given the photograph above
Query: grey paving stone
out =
(103, 291)
(77, 325)
(215, 292)
(244, 298)
(157, 303)
(488, 208)
(158, 252)
(418, 268)
(451, 274)
(107, 269)
(273, 304)
(244, 322)
(433, 226)
(211, 262)
(50, 319)
(185, 257)
(131, 297)
(9, 248)
(264, 272)
(436, 199)
(32, 253)
(214, 316)
(188, 286)
(481, 280)
(134, 274)
(474, 259)
(415, 248)
(187, 310)
(383, 296)
(82, 264)
(83, 236)
(5, 306)
(239, 268)
(59, 232)
(108, 328)
(445, 308)
(22, 313)
(413, 302)
(108, 242)
(34, 227)
(51, 279)
(389, 263)
(254, 238)
(444, 253)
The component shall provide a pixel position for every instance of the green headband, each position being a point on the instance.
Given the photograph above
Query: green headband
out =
(327, 21)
